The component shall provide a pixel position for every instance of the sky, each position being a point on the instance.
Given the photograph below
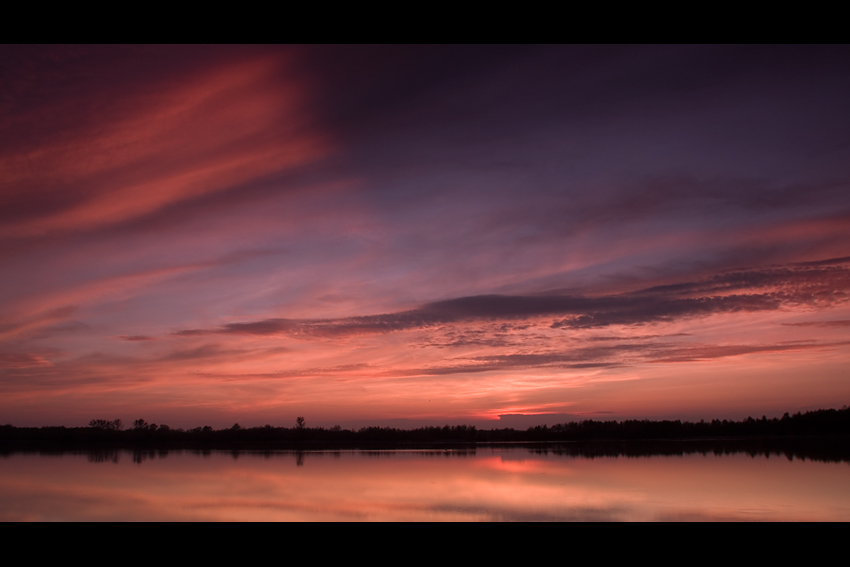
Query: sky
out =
(501, 236)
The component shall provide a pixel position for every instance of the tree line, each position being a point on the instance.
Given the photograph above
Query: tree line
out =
(828, 422)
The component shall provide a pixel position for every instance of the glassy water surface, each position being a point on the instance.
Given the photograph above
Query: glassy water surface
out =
(491, 484)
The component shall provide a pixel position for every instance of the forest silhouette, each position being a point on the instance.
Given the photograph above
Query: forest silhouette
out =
(822, 434)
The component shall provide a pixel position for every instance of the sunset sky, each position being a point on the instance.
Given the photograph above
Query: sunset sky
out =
(497, 236)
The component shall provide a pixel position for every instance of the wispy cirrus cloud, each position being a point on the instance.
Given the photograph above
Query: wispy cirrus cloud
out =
(626, 355)
(814, 286)
(839, 324)
(180, 139)
(22, 360)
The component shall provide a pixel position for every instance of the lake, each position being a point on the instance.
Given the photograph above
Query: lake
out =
(484, 484)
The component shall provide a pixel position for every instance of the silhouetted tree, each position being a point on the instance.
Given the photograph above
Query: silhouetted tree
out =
(299, 422)
(140, 424)
(114, 425)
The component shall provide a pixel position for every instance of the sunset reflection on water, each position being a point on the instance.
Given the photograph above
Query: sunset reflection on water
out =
(484, 485)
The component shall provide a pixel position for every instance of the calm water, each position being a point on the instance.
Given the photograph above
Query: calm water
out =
(487, 485)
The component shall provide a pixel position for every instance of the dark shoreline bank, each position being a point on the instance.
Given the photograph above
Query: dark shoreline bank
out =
(822, 448)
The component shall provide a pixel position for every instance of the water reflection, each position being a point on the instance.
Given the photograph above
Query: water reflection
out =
(487, 484)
